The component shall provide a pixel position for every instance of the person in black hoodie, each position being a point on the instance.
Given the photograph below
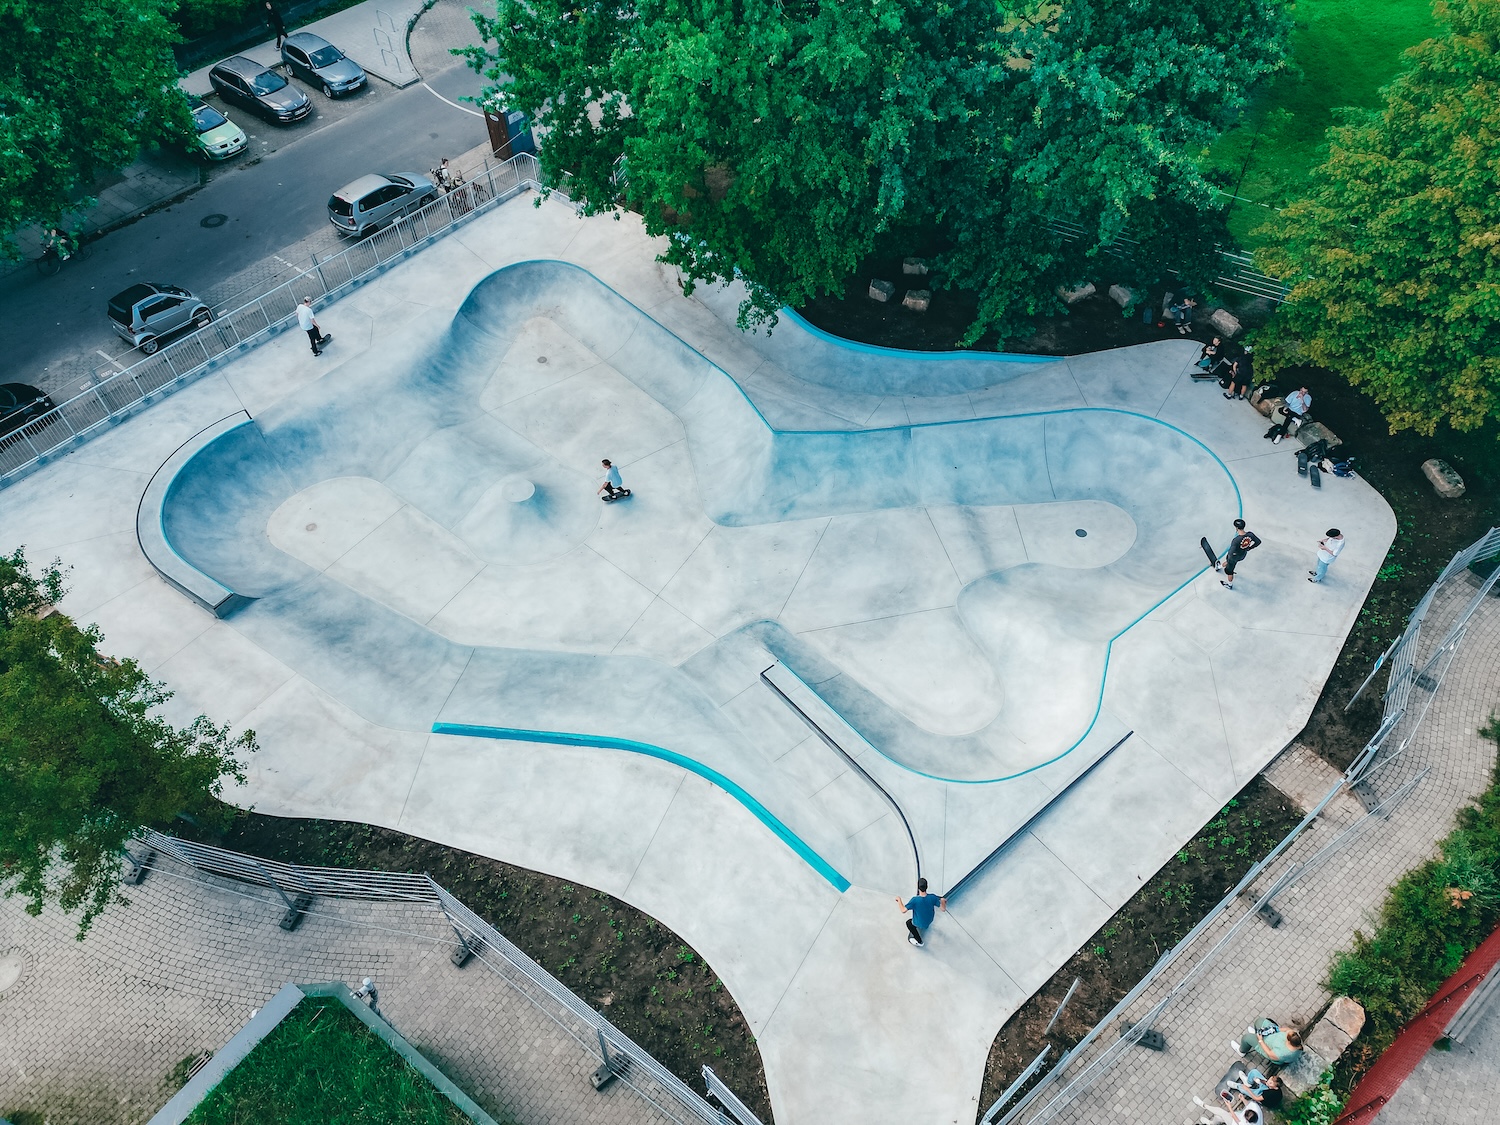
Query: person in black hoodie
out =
(275, 23)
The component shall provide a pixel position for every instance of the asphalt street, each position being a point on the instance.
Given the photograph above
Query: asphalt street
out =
(274, 201)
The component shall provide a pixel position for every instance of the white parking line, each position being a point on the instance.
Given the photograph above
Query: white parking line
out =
(451, 102)
(117, 365)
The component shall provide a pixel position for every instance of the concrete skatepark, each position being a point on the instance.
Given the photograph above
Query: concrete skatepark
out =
(404, 541)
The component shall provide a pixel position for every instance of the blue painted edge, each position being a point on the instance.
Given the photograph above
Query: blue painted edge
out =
(606, 742)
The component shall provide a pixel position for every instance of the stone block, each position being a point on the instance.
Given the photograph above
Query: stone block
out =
(882, 290)
(1073, 296)
(1327, 1040)
(1347, 1015)
(1445, 480)
(914, 267)
(1271, 407)
(917, 299)
(1316, 431)
(1302, 1074)
(1225, 323)
(1122, 296)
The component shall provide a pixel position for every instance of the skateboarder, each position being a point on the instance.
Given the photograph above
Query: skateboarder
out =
(1328, 549)
(924, 908)
(1243, 543)
(309, 324)
(612, 487)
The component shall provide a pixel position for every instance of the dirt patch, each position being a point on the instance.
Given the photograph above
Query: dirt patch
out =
(650, 983)
(1126, 947)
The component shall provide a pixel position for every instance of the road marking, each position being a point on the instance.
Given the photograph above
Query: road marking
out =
(117, 365)
(451, 102)
(283, 261)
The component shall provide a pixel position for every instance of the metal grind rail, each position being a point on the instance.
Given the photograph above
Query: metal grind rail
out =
(618, 1056)
(120, 395)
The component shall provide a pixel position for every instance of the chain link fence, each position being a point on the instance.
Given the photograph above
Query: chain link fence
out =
(1381, 776)
(618, 1057)
(117, 396)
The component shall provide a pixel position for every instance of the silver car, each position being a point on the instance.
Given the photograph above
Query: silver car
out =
(319, 63)
(372, 200)
(147, 313)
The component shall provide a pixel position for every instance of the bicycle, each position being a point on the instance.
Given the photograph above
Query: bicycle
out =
(52, 258)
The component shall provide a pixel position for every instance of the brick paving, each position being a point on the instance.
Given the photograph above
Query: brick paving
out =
(1455, 1086)
(90, 1031)
(1279, 972)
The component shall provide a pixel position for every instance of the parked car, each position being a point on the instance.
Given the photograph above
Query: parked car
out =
(319, 63)
(19, 404)
(244, 82)
(369, 201)
(147, 313)
(218, 137)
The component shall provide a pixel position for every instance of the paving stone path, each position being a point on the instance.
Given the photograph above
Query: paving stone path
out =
(90, 1031)
(1279, 972)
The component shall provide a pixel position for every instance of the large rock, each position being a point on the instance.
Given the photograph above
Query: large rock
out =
(1347, 1015)
(1122, 296)
(1073, 296)
(916, 267)
(1314, 431)
(1445, 480)
(1270, 407)
(1225, 323)
(882, 290)
(1327, 1040)
(917, 299)
(1302, 1074)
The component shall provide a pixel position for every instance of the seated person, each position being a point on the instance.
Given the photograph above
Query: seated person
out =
(1298, 403)
(1246, 1115)
(1208, 358)
(1182, 314)
(1266, 1038)
(1258, 1088)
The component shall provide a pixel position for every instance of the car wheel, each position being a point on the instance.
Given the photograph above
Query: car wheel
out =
(150, 346)
(203, 319)
(327, 90)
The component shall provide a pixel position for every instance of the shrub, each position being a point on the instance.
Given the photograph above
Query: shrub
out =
(1319, 1106)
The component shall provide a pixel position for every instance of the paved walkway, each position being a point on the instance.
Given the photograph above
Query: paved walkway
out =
(91, 1030)
(1455, 1086)
(1280, 972)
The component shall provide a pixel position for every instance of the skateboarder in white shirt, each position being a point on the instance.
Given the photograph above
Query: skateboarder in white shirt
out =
(309, 324)
(1328, 550)
(611, 487)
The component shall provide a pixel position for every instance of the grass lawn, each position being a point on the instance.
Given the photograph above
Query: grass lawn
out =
(1342, 53)
(321, 1066)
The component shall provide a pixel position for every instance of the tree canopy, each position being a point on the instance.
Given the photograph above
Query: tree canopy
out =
(82, 87)
(1394, 256)
(84, 762)
(779, 141)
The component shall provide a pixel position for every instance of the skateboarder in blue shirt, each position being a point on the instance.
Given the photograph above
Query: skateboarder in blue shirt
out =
(923, 909)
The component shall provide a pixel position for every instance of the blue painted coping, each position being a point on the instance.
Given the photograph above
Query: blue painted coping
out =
(605, 742)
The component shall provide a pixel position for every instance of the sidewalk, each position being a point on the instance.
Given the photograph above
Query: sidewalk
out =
(90, 1031)
(1279, 972)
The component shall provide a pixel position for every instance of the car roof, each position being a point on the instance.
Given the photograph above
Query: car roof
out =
(307, 41)
(361, 187)
(239, 64)
(137, 292)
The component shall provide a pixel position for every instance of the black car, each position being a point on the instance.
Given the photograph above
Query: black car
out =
(261, 90)
(318, 62)
(19, 404)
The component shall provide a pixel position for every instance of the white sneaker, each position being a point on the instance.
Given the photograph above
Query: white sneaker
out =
(913, 941)
(1235, 1047)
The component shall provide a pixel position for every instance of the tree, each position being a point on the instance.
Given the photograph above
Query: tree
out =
(778, 141)
(1394, 256)
(83, 85)
(84, 763)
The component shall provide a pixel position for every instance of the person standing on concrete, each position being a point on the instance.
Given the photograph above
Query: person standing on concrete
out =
(275, 23)
(309, 324)
(924, 908)
(1328, 549)
(1241, 375)
(1243, 543)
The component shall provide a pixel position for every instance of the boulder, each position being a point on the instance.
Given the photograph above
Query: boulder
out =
(1303, 1073)
(917, 299)
(1327, 1040)
(1073, 296)
(914, 267)
(1315, 431)
(1270, 407)
(1445, 480)
(882, 290)
(1346, 1015)
(1122, 296)
(1225, 323)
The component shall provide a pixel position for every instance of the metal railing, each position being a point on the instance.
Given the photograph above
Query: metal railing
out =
(1238, 273)
(118, 396)
(1416, 666)
(298, 886)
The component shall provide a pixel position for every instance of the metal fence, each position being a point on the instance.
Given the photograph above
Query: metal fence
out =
(617, 1055)
(118, 396)
(1238, 273)
(1417, 662)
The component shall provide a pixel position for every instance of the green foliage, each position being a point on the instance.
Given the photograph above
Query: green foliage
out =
(203, 17)
(1430, 921)
(322, 1066)
(1319, 1106)
(779, 141)
(1394, 255)
(84, 762)
(83, 85)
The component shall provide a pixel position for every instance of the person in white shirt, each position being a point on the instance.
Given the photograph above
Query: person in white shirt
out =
(1297, 404)
(1328, 549)
(611, 485)
(309, 324)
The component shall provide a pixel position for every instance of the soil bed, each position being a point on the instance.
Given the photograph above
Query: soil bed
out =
(642, 976)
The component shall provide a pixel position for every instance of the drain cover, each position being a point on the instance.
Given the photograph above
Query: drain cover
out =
(541, 359)
(311, 527)
(12, 965)
(1078, 531)
(214, 220)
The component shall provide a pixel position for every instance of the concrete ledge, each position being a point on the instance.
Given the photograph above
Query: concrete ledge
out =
(151, 532)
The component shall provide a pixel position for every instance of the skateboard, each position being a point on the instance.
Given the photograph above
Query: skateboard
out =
(1314, 474)
(1302, 462)
(620, 494)
(1213, 559)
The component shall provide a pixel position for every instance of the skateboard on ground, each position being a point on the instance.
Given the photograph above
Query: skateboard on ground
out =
(618, 494)
(1213, 559)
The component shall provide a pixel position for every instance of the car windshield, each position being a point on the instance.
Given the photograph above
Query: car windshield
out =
(206, 118)
(326, 56)
(267, 82)
(340, 206)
